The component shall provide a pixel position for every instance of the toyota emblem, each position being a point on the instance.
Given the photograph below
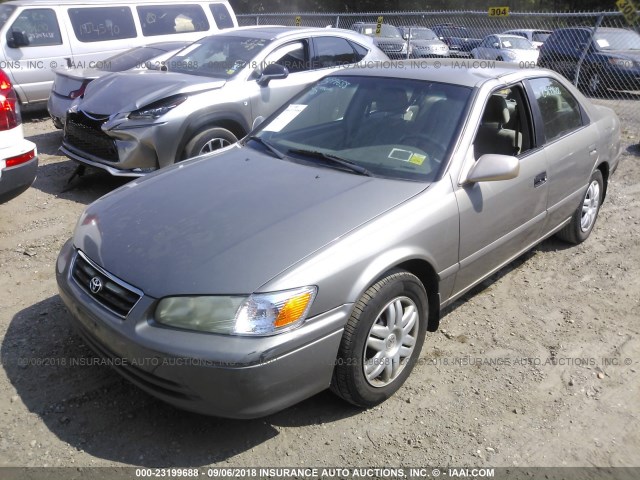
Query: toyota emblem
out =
(95, 285)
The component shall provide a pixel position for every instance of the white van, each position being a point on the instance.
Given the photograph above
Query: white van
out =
(37, 36)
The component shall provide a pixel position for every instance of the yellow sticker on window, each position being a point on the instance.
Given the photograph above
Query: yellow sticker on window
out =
(417, 159)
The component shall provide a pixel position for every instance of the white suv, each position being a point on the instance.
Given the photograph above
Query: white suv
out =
(18, 157)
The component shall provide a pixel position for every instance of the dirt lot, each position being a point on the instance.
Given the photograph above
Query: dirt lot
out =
(538, 367)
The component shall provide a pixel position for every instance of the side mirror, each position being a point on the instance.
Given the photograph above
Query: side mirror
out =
(496, 45)
(493, 168)
(273, 71)
(16, 39)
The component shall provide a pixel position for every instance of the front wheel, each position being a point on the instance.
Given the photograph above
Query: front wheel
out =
(382, 340)
(584, 218)
(208, 141)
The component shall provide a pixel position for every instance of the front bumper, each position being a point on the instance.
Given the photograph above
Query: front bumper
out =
(226, 376)
(133, 151)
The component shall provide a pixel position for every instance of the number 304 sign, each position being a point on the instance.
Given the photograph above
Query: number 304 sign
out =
(498, 11)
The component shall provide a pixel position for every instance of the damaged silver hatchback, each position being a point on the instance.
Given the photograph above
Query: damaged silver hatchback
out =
(208, 96)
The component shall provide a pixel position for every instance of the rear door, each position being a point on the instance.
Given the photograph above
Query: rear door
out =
(570, 143)
(48, 46)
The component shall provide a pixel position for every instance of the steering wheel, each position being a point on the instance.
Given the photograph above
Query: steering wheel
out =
(425, 143)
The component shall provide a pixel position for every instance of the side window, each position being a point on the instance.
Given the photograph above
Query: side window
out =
(332, 52)
(505, 126)
(168, 19)
(40, 25)
(294, 56)
(102, 23)
(559, 109)
(221, 15)
(361, 51)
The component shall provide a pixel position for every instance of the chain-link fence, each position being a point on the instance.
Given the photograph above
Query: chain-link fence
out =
(598, 51)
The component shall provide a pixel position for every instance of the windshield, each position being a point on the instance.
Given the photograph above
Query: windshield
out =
(422, 34)
(5, 13)
(518, 43)
(130, 59)
(217, 56)
(460, 32)
(617, 40)
(388, 127)
(540, 36)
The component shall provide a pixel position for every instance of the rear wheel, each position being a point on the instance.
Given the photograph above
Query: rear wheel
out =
(584, 218)
(382, 340)
(208, 141)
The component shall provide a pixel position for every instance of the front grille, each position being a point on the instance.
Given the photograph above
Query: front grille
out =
(390, 47)
(86, 135)
(113, 294)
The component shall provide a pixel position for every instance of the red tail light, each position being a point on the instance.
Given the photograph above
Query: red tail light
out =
(79, 92)
(9, 108)
(18, 159)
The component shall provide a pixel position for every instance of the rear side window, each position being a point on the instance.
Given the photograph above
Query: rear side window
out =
(221, 15)
(5, 13)
(169, 19)
(40, 25)
(102, 23)
(559, 109)
(333, 51)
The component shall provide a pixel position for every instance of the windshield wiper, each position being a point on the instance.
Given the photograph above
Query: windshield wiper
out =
(346, 164)
(268, 146)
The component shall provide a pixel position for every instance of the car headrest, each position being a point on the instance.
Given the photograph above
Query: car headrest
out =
(496, 110)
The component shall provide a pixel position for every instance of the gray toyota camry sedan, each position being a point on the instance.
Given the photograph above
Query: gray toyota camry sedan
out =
(317, 252)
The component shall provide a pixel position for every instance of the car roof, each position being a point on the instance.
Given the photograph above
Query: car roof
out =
(274, 32)
(466, 73)
(166, 45)
(528, 30)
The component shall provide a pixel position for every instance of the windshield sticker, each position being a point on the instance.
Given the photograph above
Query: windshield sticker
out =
(400, 154)
(368, 31)
(187, 50)
(506, 44)
(407, 156)
(417, 159)
(285, 118)
(603, 43)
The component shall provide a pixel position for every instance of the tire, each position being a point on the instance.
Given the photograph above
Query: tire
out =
(368, 345)
(585, 216)
(208, 141)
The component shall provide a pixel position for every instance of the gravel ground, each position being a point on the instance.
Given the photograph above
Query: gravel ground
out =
(539, 366)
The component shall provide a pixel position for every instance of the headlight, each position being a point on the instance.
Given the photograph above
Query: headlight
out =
(157, 109)
(257, 314)
(621, 62)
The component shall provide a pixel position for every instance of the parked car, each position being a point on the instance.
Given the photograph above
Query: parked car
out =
(318, 251)
(70, 83)
(612, 58)
(458, 38)
(506, 48)
(18, 157)
(424, 42)
(536, 37)
(37, 36)
(131, 123)
(388, 39)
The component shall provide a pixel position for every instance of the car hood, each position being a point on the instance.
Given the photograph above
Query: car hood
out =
(428, 43)
(227, 223)
(128, 91)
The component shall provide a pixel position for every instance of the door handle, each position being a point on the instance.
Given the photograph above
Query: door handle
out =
(540, 179)
(593, 149)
